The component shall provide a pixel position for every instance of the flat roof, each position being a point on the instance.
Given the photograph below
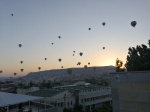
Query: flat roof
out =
(7, 99)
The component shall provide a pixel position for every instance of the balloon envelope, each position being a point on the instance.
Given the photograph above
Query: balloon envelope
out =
(20, 45)
(133, 23)
(103, 23)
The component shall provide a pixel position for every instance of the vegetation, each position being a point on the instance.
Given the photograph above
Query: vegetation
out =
(69, 71)
(119, 65)
(138, 58)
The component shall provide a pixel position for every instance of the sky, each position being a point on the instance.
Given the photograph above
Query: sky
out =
(37, 23)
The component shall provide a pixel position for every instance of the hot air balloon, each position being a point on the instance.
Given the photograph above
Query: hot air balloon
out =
(1, 71)
(103, 47)
(133, 23)
(21, 70)
(20, 45)
(79, 63)
(61, 66)
(103, 23)
(89, 28)
(45, 58)
(59, 37)
(74, 51)
(12, 14)
(39, 68)
(59, 59)
(88, 63)
(52, 43)
(80, 53)
(21, 62)
(15, 73)
(85, 66)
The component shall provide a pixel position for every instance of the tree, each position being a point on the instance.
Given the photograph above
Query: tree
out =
(119, 64)
(69, 71)
(138, 58)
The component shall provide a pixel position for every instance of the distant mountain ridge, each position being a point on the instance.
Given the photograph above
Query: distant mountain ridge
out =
(58, 74)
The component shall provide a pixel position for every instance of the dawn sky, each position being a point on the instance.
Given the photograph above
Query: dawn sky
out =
(37, 23)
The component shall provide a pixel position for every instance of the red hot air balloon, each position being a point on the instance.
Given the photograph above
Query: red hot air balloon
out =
(133, 23)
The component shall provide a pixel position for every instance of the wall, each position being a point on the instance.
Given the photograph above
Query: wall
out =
(131, 91)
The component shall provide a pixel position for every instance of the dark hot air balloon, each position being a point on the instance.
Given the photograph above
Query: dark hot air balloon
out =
(15, 73)
(88, 63)
(45, 58)
(103, 47)
(52, 43)
(80, 53)
(85, 66)
(21, 70)
(59, 59)
(12, 14)
(61, 66)
(39, 68)
(89, 28)
(133, 23)
(79, 63)
(1, 71)
(20, 45)
(21, 62)
(103, 23)
(59, 37)
(74, 51)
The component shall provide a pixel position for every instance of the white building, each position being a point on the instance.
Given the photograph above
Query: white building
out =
(89, 96)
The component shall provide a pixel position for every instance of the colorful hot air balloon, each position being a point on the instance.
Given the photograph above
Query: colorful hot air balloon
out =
(59, 59)
(133, 23)
(80, 53)
(20, 45)
(103, 23)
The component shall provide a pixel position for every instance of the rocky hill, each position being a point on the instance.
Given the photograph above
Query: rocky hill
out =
(76, 74)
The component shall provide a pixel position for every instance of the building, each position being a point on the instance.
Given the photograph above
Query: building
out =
(89, 96)
(26, 90)
(131, 91)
